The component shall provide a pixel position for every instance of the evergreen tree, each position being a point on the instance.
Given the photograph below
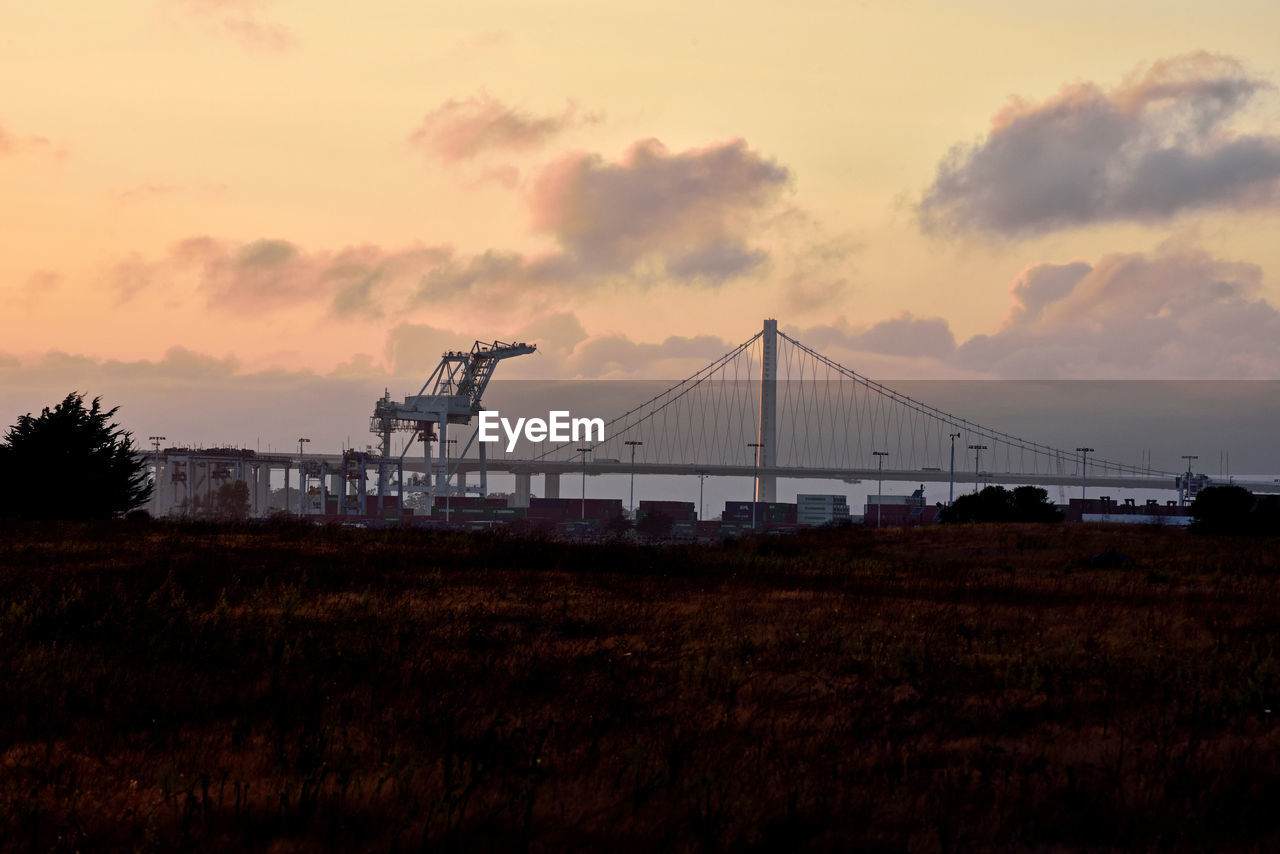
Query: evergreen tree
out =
(71, 462)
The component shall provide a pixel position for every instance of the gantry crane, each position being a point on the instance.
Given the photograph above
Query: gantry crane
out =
(457, 387)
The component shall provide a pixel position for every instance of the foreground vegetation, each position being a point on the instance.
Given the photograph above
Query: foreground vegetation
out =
(202, 688)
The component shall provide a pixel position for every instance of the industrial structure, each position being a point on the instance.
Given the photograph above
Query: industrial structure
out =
(769, 408)
(457, 390)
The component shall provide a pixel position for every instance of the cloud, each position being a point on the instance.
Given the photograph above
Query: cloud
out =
(619, 356)
(1157, 145)
(461, 129)
(39, 286)
(1172, 315)
(688, 210)
(197, 399)
(565, 351)
(13, 145)
(1038, 286)
(149, 192)
(716, 262)
(691, 218)
(906, 335)
(242, 20)
(272, 275)
(652, 217)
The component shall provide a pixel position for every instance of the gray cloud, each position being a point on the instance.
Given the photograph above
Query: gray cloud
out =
(1157, 145)
(716, 262)
(461, 129)
(690, 210)
(271, 274)
(617, 355)
(656, 217)
(1041, 285)
(1174, 315)
(1171, 315)
(906, 335)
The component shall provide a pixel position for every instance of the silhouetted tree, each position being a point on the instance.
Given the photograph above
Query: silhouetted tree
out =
(1032, 504)
(655, 525)
(618, 525)
(997, 504)
(231, 501)
(1224, 510)
(71, 462)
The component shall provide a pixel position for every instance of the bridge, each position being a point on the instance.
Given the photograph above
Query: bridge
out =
(770, 408)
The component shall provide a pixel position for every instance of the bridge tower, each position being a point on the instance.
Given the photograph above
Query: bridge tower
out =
(767, 453)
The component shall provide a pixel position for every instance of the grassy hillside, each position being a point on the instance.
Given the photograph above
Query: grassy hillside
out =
(202, 688)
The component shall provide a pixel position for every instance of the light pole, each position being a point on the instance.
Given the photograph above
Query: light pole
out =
(301, 442)
(977, 456)
(155, 498)
(702, 476)
(584, 451)
(1186, 484)
(447, 490)
(879, 455)
(951, 494)
(1084, 468)
(633, 445)
(755, 479)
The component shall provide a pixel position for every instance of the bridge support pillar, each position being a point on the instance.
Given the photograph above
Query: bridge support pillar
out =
(338, 490)
(160, 474)
(551, 487)
(523, 479)
(262, 480)
(766, 454)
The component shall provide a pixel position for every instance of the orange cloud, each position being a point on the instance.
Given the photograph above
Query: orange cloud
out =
(462, 129)
(241, 20)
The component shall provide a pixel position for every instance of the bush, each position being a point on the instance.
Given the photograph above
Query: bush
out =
(997, 504)
(1235, 510)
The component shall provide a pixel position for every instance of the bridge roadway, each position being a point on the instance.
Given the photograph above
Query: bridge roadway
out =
(471, 465)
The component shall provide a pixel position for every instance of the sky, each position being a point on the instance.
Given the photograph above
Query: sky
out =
(230, 217)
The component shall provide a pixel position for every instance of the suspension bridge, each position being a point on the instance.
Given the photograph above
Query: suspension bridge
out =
(770, 408)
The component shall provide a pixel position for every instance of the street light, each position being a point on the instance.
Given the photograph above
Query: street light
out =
(155, 498)
(755, 480)
(879, 455)
(702, 476)
(1084, 468)
(1186, 484)
(447, 490)
(584, 451)
(951, 494)
(633, 445)
(301, 442)
(977, 455)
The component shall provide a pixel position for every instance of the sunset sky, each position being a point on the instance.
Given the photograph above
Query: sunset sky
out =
(273, 200)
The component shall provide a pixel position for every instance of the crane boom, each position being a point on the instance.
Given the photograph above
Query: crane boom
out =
(457, 388)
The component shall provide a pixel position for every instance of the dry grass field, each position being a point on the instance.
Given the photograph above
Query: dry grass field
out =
(207, 688)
